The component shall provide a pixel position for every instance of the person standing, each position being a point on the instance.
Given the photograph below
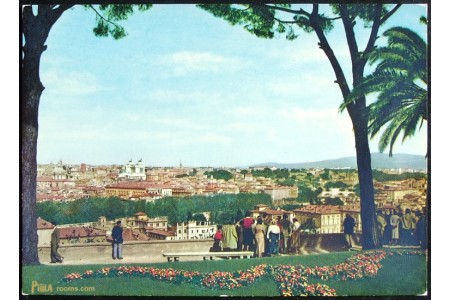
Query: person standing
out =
(54, 245)
(230, 238)
(240, 235)
(381, 225)
(387, 239)
(280, 238)
(285, 233)
(420, 232)
(349, 228)
(117, 236)
(267, 220)
(273, 235)
(260, 237)
(395, 222)
(218, 239)
(247, 224)
(295, 244)
(408, 225)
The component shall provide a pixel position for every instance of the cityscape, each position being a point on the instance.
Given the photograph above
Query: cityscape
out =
(336, 195)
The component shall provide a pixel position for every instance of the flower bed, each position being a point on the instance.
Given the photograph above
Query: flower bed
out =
(292, 280)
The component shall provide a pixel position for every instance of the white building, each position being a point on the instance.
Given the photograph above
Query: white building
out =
(282, 192)
(44, 231)
(161, 191)
(134, 171)
(192, 230)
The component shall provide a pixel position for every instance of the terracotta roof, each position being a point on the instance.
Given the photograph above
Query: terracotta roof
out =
(269, 188)
(160, 232)
(70, 232)
(131, 185)
(271, 211)
(319, 209)
(43, 224)
(41, 197)
(130, 235)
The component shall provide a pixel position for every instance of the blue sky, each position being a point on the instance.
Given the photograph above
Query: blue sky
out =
(185, 86)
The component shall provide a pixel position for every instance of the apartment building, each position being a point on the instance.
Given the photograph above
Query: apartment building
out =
(142, 222)
(195, 230)
(128, 190)
(326, 218)
(281, 192)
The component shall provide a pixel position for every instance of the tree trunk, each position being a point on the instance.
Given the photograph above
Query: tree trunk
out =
(35, 32)
(358, 114)
(370, 237)
(31, 93)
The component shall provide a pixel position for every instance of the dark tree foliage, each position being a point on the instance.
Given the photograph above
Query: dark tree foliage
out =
(289, 207)
(306, 194)
(333, 201)
(226, 208)
(326, 174)
(269, 173)
(382, 176)
(88, 210)
(220, 174)
(336, 185)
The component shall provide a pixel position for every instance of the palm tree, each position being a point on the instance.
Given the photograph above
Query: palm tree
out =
(400, 79)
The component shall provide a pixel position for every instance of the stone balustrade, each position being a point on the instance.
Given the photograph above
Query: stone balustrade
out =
(151, 251)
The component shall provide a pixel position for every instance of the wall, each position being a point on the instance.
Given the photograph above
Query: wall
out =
(151, 251)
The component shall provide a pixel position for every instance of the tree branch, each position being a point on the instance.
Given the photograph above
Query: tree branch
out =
(301, 11)
(285, 22)
(325, 46)
(389, 14)
(374, 33)
(350, 34)
(102, 17)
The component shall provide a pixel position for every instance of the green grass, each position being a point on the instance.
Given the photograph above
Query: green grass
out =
(400, 275)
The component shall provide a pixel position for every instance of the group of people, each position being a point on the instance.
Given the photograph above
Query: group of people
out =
(403, 228)
(265, 236)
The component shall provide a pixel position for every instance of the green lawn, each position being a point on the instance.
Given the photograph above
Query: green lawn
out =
(399, 275)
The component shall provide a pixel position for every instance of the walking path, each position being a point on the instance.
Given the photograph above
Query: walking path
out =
(143, 259)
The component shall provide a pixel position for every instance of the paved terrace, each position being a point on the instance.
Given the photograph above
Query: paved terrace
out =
(151, 251)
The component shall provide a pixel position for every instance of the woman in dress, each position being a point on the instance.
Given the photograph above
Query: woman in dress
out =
(260, 232)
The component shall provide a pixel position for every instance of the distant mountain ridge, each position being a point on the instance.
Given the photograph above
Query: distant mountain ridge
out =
(379, 161)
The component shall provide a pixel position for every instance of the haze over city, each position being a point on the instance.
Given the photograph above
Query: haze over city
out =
(186, 86)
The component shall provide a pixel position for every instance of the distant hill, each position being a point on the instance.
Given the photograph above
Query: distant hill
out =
(379, 161)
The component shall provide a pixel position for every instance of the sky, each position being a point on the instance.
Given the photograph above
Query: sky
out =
(186, 87)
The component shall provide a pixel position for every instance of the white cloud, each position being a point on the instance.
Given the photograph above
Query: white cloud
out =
(178, 96)
(186, 62)
(72, 83)
(307, 84)
(318, 118)
(208, 138)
